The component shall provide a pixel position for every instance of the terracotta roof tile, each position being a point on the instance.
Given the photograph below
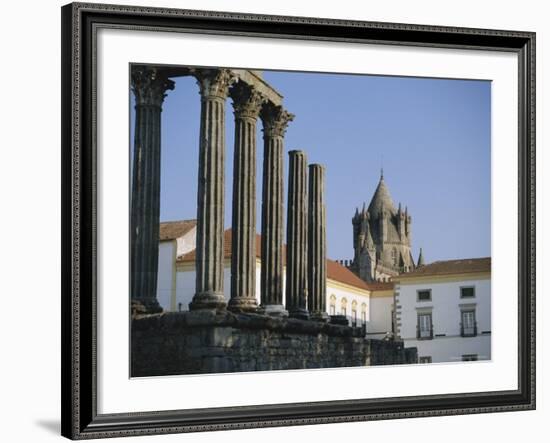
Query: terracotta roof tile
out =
(380, 285)
(445, 267)
(190, 256)
(175, 229)
(335, 271)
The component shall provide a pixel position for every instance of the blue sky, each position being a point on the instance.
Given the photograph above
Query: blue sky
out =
(431, 136)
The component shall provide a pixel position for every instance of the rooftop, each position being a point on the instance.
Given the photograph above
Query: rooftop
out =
(175, 229)
(335, 271)
(449, 267)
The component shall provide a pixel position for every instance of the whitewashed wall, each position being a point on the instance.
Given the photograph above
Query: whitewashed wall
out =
(185, 289)
(185, 285)
(380, 320)
(451, 349)
(187, 242)
(340, 292)
(166, 273)
(446, 317)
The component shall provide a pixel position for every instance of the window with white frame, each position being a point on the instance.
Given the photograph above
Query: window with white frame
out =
(424, 326)
(468, 327)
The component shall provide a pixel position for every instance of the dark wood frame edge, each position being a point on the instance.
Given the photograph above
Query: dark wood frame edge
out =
(78, 394)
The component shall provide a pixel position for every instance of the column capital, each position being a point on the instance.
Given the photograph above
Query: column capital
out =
(247, 101)
(150, 86)
(214, 83)
(275, 120)
(297, 153)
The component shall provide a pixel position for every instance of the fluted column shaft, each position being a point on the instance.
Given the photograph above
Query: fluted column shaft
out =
(214, 85)
(247, 103)
(296, 236)
(275, 120)
(149, 88)
(317, 252)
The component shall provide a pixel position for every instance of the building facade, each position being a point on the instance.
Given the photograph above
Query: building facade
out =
(382, 236)
(346, 294)
(444, 310)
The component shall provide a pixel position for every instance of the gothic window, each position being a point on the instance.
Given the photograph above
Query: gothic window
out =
(394, 256)
(343, 307)
(332, 305)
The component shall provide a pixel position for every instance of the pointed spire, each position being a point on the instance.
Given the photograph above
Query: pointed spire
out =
(381, 200)
(420, 261)
(364, 208)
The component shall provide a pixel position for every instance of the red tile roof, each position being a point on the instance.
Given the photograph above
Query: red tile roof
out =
(446, 267)
(175, 229)
(380, 285)
(335, 271)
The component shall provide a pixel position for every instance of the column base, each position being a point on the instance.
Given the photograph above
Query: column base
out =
(208, 300)
(302, 314)
(273, 310)
(242, 304)
(319, 316)
(339, 320)
(145, 306)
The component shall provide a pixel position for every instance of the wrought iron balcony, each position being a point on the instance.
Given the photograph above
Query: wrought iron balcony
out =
(468, 331)
(424, 334)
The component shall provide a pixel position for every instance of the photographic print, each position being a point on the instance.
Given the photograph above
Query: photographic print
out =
(299, 220)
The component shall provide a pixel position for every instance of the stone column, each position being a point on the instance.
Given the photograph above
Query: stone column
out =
(214, 87)
(247, 103)
(317, 240)
(275, 120)
(296, 236)
(149, 87)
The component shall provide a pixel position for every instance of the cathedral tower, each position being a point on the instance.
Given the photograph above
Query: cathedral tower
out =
(381, 238)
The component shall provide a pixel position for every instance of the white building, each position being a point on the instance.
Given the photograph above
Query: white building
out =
(380, 324)
(347, 294)
(444, 309)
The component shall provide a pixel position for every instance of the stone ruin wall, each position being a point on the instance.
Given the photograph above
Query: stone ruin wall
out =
(199, 342)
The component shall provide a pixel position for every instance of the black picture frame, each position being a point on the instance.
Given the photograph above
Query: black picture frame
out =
(79, 171)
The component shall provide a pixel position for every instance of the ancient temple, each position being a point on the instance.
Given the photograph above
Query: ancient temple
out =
(253, 100)
(381, 238)
(290, 327)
